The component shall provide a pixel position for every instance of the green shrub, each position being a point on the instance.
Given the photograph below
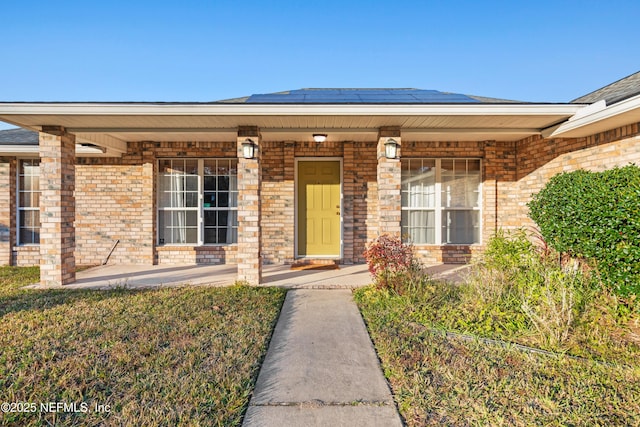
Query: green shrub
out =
(595, 215)
(519, 287)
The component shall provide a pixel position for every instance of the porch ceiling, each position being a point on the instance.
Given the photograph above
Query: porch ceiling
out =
(112, 125)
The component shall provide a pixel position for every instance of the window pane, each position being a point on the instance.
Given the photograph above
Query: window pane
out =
(461, 188)
(418, 226)
(191, 167)
(233, 199)
(162, 230)
(460, 227)
(191, 183)
(473, 166)
(29, 236)
(211, 235)
(209, 183)
(176, 167)
(223, 183)
(24, 183)
(178, 227)
(224, 235)
(418, 183)
(191, 200)
(210, 218)
(460, 166)
(447, 166)
(25, 200)
(165, 166)
(209, 200)
(223, 218)
(233, 218)
(223, 199)
(192, 235)
(30, 167)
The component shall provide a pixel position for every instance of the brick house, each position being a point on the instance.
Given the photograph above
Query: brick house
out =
(304, 174)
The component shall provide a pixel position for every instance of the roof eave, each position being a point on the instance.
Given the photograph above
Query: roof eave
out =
(599, 118)
(7, 110)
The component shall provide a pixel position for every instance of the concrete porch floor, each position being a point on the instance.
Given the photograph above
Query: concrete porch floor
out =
(150, 276)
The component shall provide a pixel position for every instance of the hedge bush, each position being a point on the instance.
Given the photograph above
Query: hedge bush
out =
(595, 215)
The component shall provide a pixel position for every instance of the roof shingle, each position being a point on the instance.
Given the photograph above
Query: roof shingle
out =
(615, 92)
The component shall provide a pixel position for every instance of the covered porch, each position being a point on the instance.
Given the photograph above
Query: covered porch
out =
(87, 204)
(154, 276)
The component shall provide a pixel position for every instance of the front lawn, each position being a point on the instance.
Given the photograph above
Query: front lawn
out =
(185, 355)
(440, 379)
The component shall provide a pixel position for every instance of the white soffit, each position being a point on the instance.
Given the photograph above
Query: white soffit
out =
(111, 125)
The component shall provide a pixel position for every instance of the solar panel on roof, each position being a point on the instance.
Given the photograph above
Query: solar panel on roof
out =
(360, 96)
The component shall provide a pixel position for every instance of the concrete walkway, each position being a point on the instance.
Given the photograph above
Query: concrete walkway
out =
(321, 368)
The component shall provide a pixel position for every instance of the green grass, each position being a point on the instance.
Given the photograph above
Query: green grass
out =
(180, 356)
(440, 380)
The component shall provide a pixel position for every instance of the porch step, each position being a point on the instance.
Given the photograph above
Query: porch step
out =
(315, 264)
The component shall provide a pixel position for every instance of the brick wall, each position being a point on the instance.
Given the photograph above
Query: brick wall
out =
(360, 198)
(277, 194)
(24, 256)
(197, 255)
(540, 159)
(114, 202)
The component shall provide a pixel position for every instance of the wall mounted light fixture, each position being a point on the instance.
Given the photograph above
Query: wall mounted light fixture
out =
(248, 149)
(319, 137)
(391, 149)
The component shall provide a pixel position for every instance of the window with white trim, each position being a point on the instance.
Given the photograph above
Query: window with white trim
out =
(441, 201)
(28, 202)
(197, 201)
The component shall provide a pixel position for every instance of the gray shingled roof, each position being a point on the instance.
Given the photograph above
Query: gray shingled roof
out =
(363, 96)
(18, 137)
(615, 92)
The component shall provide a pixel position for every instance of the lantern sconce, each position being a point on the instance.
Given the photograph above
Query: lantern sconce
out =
(391, 149)
(249, 149)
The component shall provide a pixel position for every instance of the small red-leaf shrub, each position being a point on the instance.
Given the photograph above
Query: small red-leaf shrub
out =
(391, 261)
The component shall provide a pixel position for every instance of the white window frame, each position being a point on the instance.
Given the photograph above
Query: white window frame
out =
(19, 208)
(200, 208)
(439, 209)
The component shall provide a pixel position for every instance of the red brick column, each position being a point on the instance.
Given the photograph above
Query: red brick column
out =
(7, 209)
(389, 180)
(348, 199)
(57, 207)
(249, 234)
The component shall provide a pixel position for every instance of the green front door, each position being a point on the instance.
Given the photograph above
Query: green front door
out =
(319, 208)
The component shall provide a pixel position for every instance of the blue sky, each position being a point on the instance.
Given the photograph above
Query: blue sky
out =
(197, 50)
